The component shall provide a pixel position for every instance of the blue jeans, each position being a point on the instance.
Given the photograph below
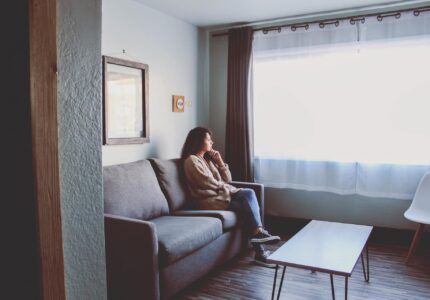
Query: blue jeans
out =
(245, 204)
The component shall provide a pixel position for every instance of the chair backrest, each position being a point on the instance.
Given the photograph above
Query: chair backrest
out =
(132, 190)
(422, 195)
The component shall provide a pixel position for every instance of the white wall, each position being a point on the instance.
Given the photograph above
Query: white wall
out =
(79, 118)
(170, 47)
(294, 203)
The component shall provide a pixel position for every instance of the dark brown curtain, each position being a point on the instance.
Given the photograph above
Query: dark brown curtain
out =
(238, 133)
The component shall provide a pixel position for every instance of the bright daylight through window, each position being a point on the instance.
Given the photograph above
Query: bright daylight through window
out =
(365, 103)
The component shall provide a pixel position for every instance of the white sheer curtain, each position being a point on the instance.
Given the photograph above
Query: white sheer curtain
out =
(344, 108)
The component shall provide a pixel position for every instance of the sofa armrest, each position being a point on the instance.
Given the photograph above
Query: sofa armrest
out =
(259, 192)
(131, 258)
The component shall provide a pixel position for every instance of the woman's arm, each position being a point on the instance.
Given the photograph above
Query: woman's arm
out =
(197, 175)
(221, 166)
(225, 173)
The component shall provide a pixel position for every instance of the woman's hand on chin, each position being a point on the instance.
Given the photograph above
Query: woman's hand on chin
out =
(216, 157)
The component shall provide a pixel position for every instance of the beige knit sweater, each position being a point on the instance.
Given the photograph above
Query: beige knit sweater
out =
(208, 184)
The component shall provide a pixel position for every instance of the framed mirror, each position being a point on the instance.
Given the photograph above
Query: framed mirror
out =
(125, 102)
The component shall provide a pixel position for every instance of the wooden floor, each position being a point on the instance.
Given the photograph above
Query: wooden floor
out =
(389, 277)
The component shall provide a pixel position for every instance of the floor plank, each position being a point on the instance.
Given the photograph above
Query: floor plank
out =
(390, 278)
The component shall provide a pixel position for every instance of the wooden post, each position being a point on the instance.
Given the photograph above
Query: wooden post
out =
(43, 94)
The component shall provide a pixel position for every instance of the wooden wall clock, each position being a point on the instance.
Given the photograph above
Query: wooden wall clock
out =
(178, 103)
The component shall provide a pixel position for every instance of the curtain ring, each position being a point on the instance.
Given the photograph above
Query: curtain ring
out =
(416, 13)
(293, 28)
(396, 15)
(321, 25)
(336, 23)
(354, 20)
(265, 31)
(306, 26)
(279, 29)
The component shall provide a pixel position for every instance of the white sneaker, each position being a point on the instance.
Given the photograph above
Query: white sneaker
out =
(263, 237)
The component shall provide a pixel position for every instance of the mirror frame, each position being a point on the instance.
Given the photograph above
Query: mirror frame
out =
(145, 102)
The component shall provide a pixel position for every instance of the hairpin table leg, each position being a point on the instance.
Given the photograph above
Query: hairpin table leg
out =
(280, 284)
(366, 270)
(274, 282)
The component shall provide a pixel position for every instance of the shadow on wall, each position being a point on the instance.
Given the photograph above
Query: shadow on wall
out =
(357, 209)
(154, 151)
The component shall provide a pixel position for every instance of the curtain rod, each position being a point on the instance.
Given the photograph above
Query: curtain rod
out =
(353, 18)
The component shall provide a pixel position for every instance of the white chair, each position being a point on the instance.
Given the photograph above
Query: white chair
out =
(419, 211)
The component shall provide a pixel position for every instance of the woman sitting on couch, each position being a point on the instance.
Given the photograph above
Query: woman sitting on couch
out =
(208, 180)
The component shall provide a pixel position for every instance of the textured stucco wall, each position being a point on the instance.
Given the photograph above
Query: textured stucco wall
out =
(79, 106)
(170, 47)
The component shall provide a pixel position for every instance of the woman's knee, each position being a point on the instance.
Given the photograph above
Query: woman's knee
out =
(248, 193)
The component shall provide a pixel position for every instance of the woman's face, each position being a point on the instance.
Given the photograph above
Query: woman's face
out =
(207, 143)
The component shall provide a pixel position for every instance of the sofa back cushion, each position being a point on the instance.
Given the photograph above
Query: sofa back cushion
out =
(170, 174)
(132, 190)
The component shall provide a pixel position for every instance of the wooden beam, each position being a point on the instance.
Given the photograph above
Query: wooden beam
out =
(43, 94)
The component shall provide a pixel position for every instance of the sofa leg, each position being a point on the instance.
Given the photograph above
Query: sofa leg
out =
(415, 242)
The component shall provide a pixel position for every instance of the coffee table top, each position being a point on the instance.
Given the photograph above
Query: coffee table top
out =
(324, 246)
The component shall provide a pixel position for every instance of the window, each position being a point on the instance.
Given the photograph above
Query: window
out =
(344, 108)
(368, 104)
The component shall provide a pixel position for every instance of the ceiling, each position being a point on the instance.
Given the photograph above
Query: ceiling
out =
(205, 13)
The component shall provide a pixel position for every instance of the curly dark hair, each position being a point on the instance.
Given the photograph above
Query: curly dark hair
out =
(194, 141)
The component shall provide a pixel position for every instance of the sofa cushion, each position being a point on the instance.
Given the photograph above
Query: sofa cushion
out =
(131, 190)
(180, 236)
(228, 218)
(170, 174)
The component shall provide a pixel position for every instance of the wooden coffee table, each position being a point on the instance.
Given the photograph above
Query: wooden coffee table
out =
(327, 247)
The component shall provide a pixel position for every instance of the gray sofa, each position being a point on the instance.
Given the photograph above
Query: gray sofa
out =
(156, 243)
